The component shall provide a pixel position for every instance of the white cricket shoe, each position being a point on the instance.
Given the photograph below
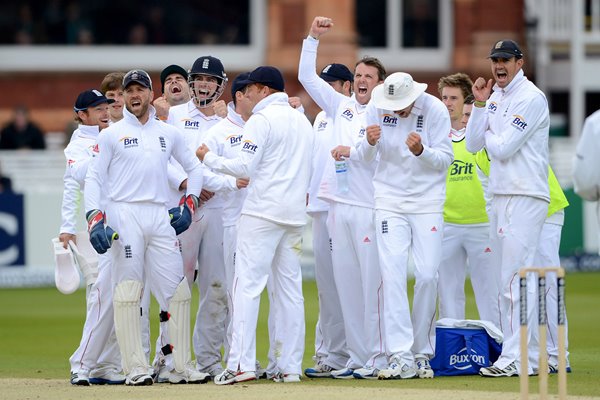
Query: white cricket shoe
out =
(80, 379)
(102, 377)
(320, 370)
(424, 370)
(229, 377)
(344, 373)
(366, 373)
(139, 380)
(286, 378)
(189, 375)
(495, 372)
(398, 369)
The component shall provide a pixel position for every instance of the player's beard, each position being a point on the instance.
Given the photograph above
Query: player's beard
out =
(139, 111)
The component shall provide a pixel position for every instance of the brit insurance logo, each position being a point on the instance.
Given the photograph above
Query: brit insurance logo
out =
(389, 120)
(492, 107)
(190, 123)
(462, 360)
(129, 142)
(249, 147)
(348, 113)
(234, 140)
(322, 125)
(519, 122)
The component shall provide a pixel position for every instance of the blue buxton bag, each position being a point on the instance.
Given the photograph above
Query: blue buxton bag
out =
(463, 351)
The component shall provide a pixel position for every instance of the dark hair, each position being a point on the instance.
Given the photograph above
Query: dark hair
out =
(373, 62)
(470, 99)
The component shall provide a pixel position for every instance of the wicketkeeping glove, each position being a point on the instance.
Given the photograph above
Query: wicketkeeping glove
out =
(181, 217)
(101, 237)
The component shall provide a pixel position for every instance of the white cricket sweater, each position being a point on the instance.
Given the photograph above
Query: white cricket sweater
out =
(514, 128)
(348, 129)
(403, 182)
(276, 154)
(132, 162)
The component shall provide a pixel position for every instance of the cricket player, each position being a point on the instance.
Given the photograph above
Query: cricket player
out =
(202, 244)
(278, 143)
(512, 123)
(586, 171)
(350, 217)
(175, 90)
(131, 172)
(410, 131)
(97, 359)
(466, 225)
(330, 337)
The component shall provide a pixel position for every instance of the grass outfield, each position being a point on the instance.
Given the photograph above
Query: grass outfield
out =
(40, 329)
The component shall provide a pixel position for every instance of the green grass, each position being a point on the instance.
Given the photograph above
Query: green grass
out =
(40, 328)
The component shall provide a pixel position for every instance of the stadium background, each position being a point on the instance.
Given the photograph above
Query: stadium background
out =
(52, 50)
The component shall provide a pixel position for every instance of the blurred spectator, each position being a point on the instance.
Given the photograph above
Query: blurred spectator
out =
(5, 183)
(21, 133)
(78, 27)
(138, 34)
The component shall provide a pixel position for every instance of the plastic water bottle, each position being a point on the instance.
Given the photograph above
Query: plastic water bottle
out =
(341, 174)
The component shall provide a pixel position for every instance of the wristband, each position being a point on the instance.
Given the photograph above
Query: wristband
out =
(479, 104)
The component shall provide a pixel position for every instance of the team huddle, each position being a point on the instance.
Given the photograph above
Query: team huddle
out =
(189, 190)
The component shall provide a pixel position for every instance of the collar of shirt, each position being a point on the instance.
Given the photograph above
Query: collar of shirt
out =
(457, 135)
(132, 119)
(195, 112)
(275, 98)
(89, 130)
(233, 116)
(516, 82)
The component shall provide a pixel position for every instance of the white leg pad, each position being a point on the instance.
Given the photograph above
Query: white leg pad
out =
(179, 325)
(126, 300)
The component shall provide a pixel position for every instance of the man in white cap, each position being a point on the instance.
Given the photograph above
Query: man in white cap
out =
(408, 130)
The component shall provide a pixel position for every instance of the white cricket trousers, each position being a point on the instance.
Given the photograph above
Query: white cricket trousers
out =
(547, 256)
(213, 315)
(422, 235)
(229, 244)
(358, 280)
(515, 224)
(147, 251)
(267, 249)
(462, 246)
(98, 349)
(330, 338)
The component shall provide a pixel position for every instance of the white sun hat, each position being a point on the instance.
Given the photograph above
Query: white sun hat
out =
(397, 92)
(66, 274)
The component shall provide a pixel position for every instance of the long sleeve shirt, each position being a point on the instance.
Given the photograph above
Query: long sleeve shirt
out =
(404, 182)
(349, 125)
(513, 127)
(276, 154)
(132, 161)
(79, 152)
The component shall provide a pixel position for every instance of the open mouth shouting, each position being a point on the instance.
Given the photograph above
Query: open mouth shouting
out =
(363, 90)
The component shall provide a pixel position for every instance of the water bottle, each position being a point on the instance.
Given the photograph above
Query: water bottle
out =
(341, 174)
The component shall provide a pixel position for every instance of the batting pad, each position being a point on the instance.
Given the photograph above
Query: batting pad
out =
(128, 329)
(179, 325)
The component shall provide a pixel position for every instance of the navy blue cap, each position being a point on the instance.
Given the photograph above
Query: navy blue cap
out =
(336, 72)
(138, 76)
(268, 76)
(506, 49)
(238, 83)
(171, 69)
(90, 98)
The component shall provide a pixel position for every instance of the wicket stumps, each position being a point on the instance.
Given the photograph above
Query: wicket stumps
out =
(542, 322)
